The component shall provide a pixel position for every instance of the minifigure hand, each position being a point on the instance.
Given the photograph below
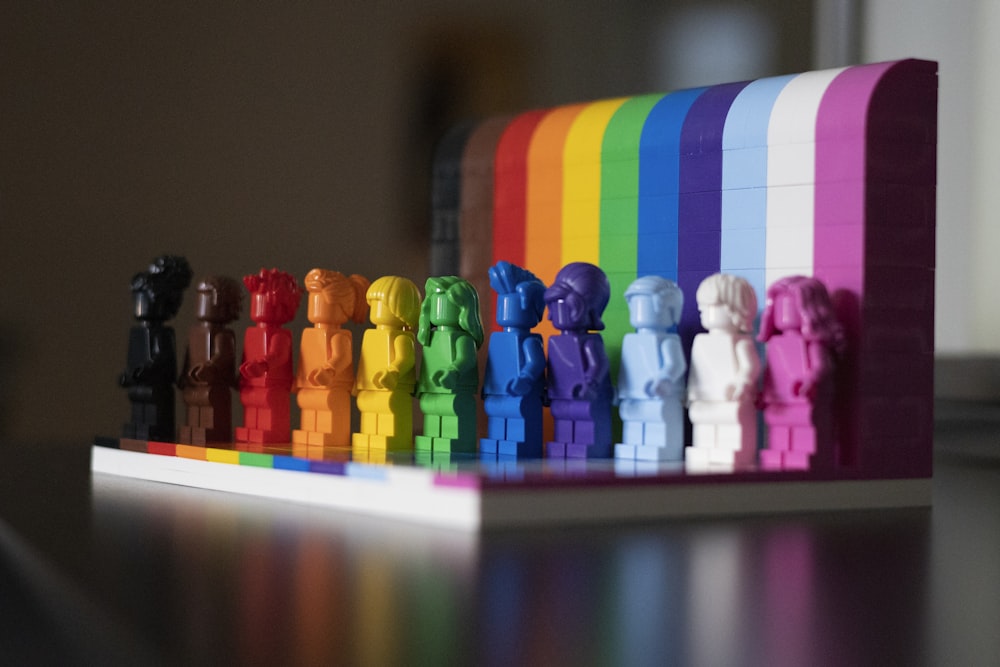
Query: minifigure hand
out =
(735, 392)
(385, 379)
(652, 388)
(321, 377)
(804, 389)
(124, 380)
(253, 369)
(519, 386)
(196, 374)
(444, 378)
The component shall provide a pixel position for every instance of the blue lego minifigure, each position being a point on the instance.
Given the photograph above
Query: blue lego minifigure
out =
(651, 376)
(515, 366)
(579, 383)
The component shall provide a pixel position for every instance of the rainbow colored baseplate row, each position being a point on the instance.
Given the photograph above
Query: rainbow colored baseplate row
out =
(828, 174)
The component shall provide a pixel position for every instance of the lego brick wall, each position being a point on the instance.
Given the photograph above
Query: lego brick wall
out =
(828, 173)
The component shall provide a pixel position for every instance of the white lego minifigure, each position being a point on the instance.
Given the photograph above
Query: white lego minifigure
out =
(722, 386)
(651, 376)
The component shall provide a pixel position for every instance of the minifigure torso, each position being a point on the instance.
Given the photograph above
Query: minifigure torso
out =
(379, 351)
(651, 358)
(788, 365)
(450, 349)
(577, 361)
(272, 344)
(718, 361)
(326, 347)
(507, 357)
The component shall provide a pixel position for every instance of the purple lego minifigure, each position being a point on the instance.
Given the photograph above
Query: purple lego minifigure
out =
(579, 384)
(803, 337)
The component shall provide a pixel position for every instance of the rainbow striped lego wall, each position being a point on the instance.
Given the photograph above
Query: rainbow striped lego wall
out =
(828, 173)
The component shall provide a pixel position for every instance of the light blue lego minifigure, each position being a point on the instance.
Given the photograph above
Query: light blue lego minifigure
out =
(651, 375)
(515, 366)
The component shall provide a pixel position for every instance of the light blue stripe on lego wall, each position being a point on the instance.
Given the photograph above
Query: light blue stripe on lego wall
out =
(744, 181)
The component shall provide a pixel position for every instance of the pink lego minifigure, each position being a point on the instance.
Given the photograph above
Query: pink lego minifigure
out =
(722, 385)
(325, 375)
(803, 337)
(266, 371)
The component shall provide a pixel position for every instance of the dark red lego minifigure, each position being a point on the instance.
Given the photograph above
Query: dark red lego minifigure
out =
(209, 374)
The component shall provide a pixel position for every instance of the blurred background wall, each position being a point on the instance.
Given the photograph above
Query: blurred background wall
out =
(294, 136)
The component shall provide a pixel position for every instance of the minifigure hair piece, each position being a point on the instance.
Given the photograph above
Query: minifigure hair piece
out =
(462, 294)
(400, 296)
(582, 286)
(667, 294)
(166, 278)
(507, 278)
(819, 323)
(226, 292)
(347, 291)
(732, 291)
(279, 286)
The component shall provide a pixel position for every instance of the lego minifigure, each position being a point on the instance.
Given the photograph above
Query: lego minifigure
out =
(451, 332)
(722, 385)
(151, 364)
(209, 373)
(386, 375)
(803, 337)
(651, 376)
(266, 371)
(515, 365)
(579, 384)
(326, 368)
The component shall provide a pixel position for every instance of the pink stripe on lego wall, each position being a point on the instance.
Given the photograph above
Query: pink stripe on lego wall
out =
(876, 137)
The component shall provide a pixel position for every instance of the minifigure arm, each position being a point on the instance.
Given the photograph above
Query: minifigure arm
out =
(403, 359)
(597, 366)
(820, 365)
(748, 370)
(531, 371)
(337, 362)
(223, 358)
(673, 369)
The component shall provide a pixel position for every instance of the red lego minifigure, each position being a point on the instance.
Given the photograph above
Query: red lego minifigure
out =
(266, 372)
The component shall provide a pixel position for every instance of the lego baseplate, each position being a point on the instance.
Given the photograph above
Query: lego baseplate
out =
(467, 492)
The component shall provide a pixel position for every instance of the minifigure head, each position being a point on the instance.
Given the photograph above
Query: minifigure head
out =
(654, 302)
(157, 292)
(727, 303)
(450, 301)
(578, 297)
(274, 296)
(395, 302)
(799, 303)
(220, 299)
(335, 298)
(520, 295)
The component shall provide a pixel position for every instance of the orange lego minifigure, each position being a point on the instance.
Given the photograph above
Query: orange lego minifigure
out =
(386, 371)
(266, 372)
(326, 369)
